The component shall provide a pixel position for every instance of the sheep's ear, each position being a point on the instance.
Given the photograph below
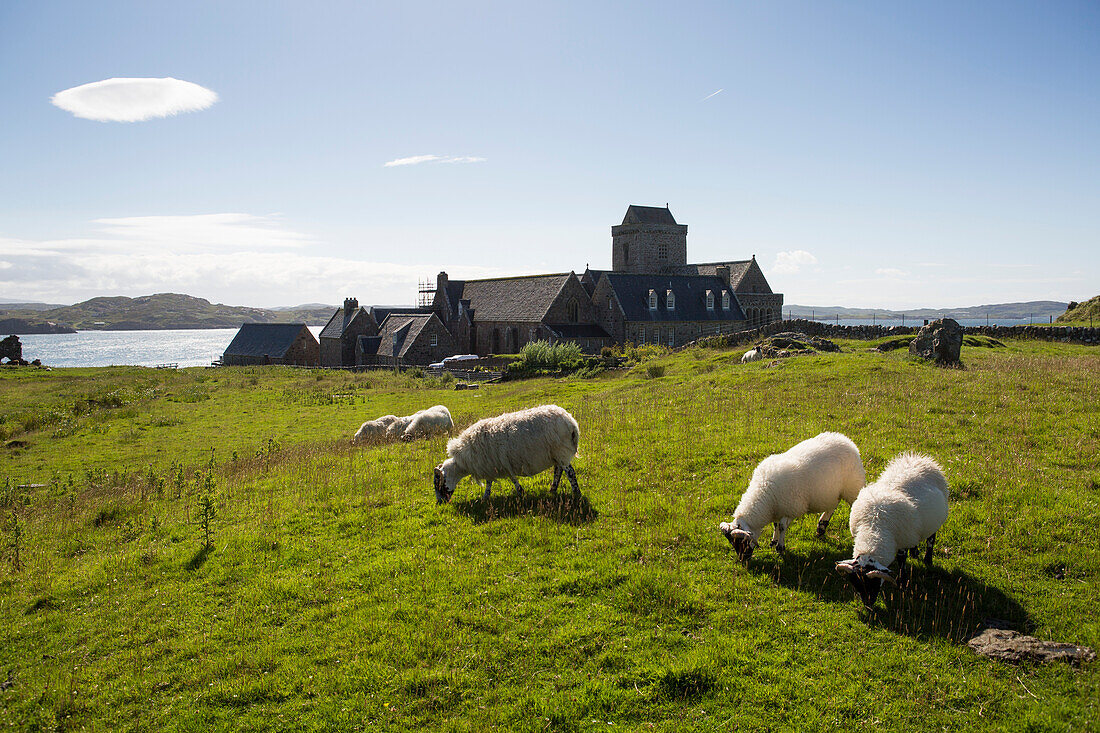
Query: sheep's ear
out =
(882, 575)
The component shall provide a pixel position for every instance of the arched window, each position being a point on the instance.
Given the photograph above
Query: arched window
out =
(571, 311)
(626, 252)
(496, 341)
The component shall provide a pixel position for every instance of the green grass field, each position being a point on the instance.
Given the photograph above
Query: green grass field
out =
(335, 594)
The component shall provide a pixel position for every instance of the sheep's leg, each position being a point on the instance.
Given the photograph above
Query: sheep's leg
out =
(572, 476)
(519, 489)
(779, 534)
(903, 568)
(928, 549)
(557, 479)
(823, 522)
(488, 489)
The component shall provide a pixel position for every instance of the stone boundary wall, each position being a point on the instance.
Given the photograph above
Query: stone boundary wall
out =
(1072, 335)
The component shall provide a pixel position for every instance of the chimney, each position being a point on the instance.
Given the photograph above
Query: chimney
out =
(350, 304)
(723, 273)
(441, 281)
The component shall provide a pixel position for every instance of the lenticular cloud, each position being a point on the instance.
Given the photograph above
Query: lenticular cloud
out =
(133, 100)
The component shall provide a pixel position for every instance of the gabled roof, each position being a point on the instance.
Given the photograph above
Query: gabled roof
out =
(339, 322)
(381, 312)
(632, 292)
(265, 339)
(648, 215)
(738, 269)
(511, 298)
(399, 332)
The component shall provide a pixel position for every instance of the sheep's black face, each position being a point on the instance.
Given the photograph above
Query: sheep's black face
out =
(442, 493)
(867, 588)
(743, 542)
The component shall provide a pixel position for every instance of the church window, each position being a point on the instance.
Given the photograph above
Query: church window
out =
(653, 300)
(572, 311)
(626, 252)
(710, 300)
(670, 300)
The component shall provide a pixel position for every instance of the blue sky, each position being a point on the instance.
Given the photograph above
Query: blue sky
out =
(892, 155)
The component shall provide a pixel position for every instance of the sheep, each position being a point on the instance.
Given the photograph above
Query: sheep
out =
(433, 420)
(812, 476)
(751, 355)
(376, 428)
(891, 517)
(522, 443)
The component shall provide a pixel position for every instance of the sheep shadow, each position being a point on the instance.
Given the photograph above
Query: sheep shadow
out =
(933, 603)
(562, 507)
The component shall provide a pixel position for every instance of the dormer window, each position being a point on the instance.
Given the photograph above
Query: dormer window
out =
(710, 300)
(725, 300)
(670, 300)
(653, 300)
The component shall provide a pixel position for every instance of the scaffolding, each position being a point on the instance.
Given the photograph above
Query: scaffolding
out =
(425, 293)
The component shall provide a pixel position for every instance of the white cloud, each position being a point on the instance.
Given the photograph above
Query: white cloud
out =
(134, 100)
(418, 159)
(890, 272)
(787, 263)
(233, 258)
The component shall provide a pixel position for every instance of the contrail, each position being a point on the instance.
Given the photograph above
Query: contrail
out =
(712, 95)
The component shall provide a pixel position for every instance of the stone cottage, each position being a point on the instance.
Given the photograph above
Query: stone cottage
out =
(273, 343)
(413, 338)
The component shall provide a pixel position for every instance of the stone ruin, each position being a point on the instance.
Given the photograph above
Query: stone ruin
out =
(12, 350)
(940, 341)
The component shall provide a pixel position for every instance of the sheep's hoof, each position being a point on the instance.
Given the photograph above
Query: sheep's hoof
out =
(774, 543)
(821, 527)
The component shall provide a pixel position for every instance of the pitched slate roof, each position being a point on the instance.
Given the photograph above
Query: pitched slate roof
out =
(511, 298)
(405, 327)
(336, 325)
(632, 292)
(381, 312)
(738, 269)
(265, 339)
(648, 215)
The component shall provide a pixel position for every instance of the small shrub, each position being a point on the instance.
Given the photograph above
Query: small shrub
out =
(606, 352)
(653, 371)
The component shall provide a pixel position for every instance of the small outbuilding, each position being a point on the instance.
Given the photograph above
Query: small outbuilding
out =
(407, 338)
(273, 343)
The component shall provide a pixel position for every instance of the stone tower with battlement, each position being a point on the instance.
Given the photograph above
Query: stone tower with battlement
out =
(648, 241)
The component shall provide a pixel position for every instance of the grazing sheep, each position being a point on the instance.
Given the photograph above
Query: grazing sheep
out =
(891, 517)
(514, 444)
(751, 355)
(812, 476)
(433, 420)
(376, 428)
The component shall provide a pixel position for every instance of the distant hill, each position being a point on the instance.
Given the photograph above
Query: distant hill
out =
(1038, 309)
(1081, 312)
(155, 312)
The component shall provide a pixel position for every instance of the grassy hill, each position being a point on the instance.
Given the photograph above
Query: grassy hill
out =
(1040, 310)
(337, 595)
(164, 311)
(1086, 312)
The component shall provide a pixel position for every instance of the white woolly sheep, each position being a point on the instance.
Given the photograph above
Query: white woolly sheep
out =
(812, 476)
(514, 444)
(751, 355)
(376, 428)
(436, 419)
(891, 517)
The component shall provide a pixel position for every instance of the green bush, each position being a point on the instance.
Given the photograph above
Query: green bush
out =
(545, 355)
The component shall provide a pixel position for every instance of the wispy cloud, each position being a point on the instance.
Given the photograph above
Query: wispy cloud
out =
(133, 100)
(890, 272)
(787, 263)
(418, 159)
(712, 94)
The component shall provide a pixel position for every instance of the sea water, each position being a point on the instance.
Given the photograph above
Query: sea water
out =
(191, 347)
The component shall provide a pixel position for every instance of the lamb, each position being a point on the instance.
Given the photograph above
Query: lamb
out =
(436, 419)
(376, 428)
(891, 517)
(753, 354)
(812, 476)
(522, 443)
